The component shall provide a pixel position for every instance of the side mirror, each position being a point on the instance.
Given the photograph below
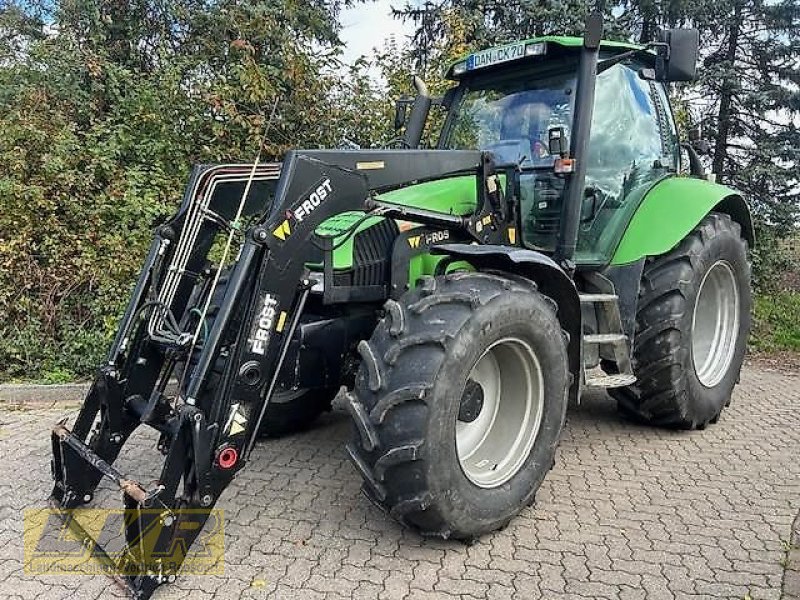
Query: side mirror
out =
(557, 143)
(677, 55)
(401, 111)
(700, 145)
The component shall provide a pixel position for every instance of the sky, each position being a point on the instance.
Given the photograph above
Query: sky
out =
(366, 26)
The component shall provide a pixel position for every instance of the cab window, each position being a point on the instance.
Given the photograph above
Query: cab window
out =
(511, 118)
(629, 151)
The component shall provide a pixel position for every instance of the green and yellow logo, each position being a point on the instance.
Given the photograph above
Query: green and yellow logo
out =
(428, 239)
(92, 542)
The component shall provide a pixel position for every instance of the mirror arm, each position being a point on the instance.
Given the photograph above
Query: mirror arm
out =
(610, 62)
(614, 60)
(695, 166)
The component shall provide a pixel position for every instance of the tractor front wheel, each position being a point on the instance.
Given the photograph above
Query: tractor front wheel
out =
(459, 403)
(691, 328)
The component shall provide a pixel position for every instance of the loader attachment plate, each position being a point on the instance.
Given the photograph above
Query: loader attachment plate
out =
(149, 532)
(157, 537)
(70, 455)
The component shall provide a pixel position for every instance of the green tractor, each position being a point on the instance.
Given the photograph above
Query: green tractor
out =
(463, 295)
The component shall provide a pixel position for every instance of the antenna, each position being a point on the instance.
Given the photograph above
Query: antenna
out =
(234, 228)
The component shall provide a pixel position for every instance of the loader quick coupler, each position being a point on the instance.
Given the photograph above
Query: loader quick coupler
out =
(159, 528)
(70, 455)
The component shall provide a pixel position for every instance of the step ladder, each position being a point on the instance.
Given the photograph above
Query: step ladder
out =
(612, 335)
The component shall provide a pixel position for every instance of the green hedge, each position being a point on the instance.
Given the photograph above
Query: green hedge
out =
(776, 322)
(101, 120)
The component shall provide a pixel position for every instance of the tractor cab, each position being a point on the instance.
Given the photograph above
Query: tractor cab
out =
(518, 102)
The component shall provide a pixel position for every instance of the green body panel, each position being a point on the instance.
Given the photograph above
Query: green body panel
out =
(454, 195)
(577, 42)
(669, 211)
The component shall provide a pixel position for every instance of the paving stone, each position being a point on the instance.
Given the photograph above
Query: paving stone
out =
(629, 512)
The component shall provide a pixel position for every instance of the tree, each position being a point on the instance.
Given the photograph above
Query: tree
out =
(104, 107)
(752, 75)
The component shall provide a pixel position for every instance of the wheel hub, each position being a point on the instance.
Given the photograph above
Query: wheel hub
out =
(471, 402)
(715, 324)
(500, 413)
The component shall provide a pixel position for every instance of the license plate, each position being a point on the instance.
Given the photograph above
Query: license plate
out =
(495, 56)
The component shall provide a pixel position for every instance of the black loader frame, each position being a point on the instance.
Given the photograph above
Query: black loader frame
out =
(207, 435)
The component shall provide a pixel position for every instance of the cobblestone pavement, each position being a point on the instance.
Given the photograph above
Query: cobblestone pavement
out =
(628, 512)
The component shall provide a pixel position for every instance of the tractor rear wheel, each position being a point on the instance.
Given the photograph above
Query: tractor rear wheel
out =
(459, 403)
(691, 328)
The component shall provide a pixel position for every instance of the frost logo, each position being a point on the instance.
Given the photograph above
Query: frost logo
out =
(314, 199)
(262, 328)
(428, 239)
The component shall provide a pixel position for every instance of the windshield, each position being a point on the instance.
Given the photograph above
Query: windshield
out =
(511, 118)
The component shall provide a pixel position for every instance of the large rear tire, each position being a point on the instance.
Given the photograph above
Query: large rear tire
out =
(691, 329)
(459, 403)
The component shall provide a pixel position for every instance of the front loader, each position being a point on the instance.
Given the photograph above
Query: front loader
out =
(463, 295)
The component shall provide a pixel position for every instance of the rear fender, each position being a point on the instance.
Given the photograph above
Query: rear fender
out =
(550, 279)
(672, 209)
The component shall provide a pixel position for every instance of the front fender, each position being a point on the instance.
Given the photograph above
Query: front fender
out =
(671, 209)
(550, 279)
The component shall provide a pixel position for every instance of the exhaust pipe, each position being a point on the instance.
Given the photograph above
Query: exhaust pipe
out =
(419, 114)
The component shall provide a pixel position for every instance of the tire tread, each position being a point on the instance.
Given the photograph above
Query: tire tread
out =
(661, 396)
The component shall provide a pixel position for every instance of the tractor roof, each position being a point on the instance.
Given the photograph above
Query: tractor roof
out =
(542, 46)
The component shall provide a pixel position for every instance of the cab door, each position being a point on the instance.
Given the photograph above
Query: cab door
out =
(633, 145)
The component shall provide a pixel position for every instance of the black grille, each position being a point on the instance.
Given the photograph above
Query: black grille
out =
(372, 256)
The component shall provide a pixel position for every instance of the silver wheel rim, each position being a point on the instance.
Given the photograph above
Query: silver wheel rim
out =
(715, 324)
(493, 447)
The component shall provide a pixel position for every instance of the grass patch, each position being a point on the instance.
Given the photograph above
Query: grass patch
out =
(776, 322)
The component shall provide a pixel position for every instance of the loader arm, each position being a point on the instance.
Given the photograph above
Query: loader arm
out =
(208, 432)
